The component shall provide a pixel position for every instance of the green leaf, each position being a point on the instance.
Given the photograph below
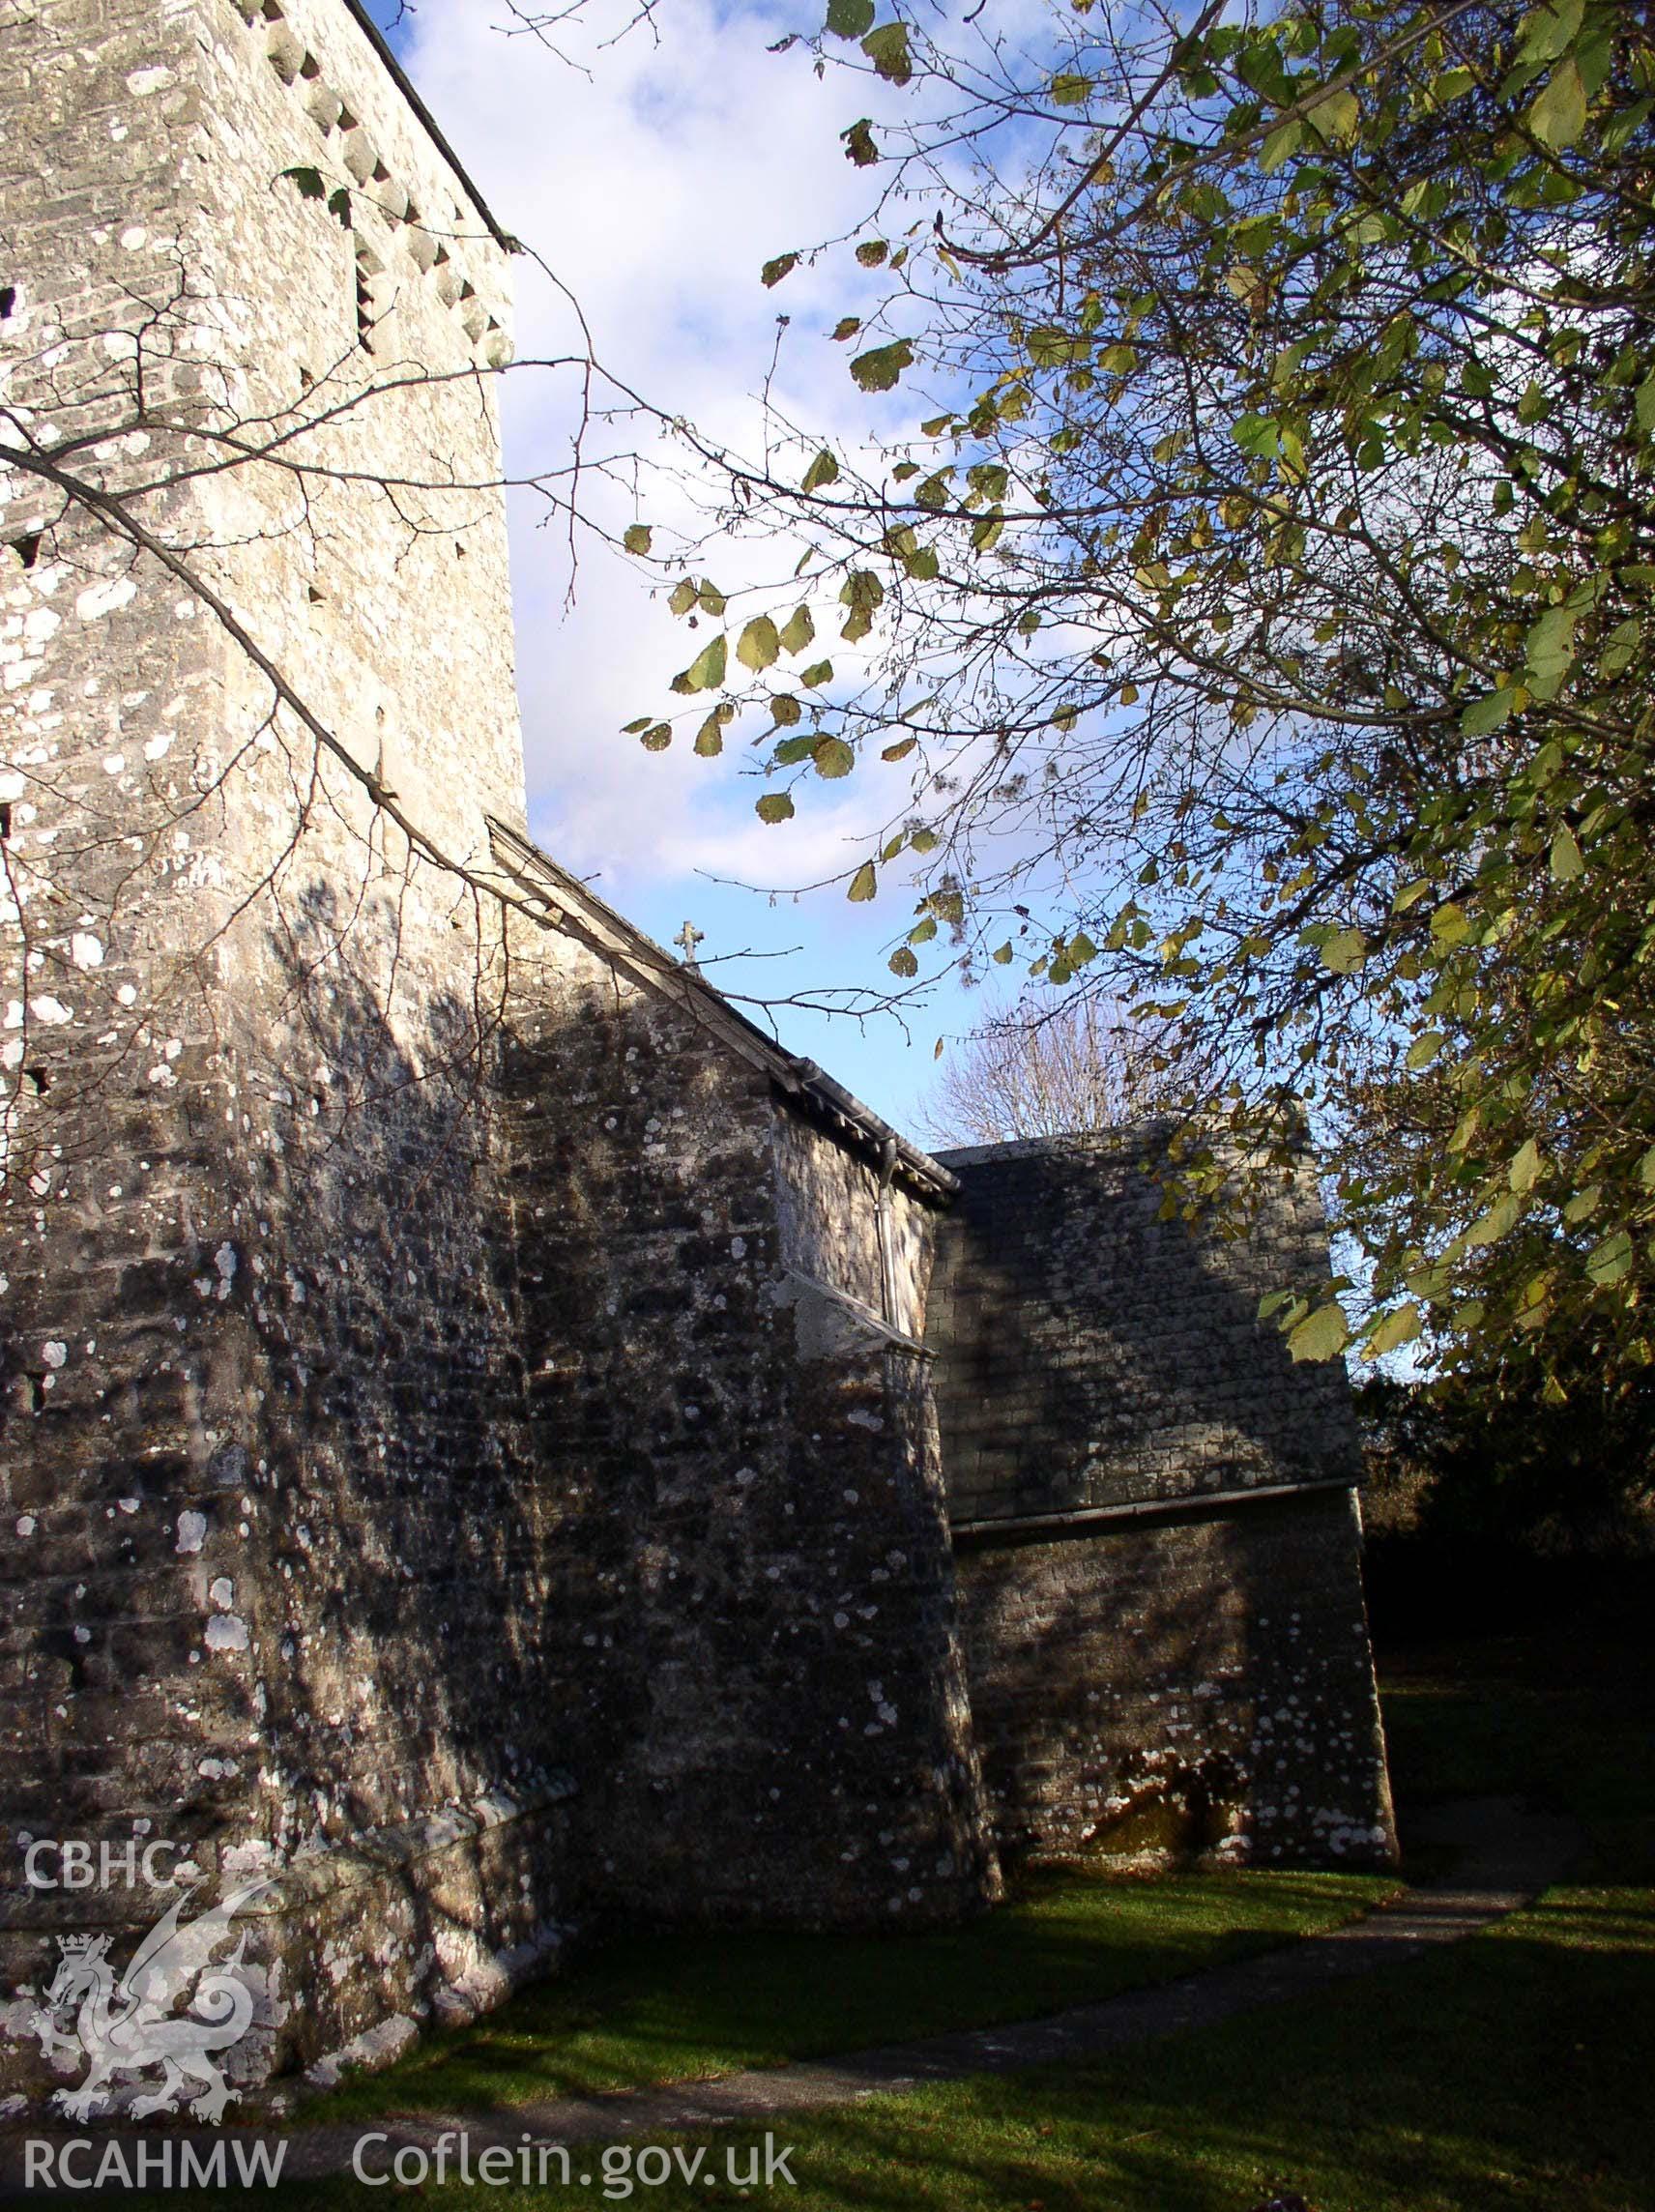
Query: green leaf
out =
(873, 253)
(879, 369)
(834, 758)
(797, 630)
(710, 738)
(775, 806)
(758, 647)
(1550, 30)
(1424, 1049)
(636, 537)
(1559, 115)
(1394, 1330)
(861, 588)
(1337, 118)
(1490, 1227)
(1068, 89)
(1565, 860)
(1644, 407)
(847, 327)
(1001, 954)
(706, 671)
(1609, 1262)
(1345, 951)
(1524, 1172)
(887, 50)
(902, 962)
(863, 884)
(850, 18)
(1487, 714)
(1549, 650)
(823, 469)
(657, 738)
(774, 270)
(785, 710)
(684, 596)
(1281, 145)
(1321, 1335)
(819, 672)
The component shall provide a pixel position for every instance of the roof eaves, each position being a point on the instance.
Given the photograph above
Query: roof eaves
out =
(404, 84)
(800, 1081)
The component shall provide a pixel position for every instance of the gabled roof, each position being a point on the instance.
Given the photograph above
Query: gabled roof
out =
(574, 908)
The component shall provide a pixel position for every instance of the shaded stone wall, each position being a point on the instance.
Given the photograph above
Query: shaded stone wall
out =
(274, 1556)
(1189, 1685)
(765, 1665)
(1157, 1546)
(1092, 1354)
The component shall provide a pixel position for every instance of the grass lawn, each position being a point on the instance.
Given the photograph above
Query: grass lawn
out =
(1514, 2071)
(679, 2007)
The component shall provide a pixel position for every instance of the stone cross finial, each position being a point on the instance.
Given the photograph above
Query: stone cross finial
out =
(690, 937)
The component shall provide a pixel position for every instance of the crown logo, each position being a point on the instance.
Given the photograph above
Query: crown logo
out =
(84, 1947)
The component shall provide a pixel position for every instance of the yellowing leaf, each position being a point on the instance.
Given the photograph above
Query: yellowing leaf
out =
(785, 710)
(1489, 1228)
(887, 50)
(834, 758)
(797, 630)
(1524, 1172)
(759, 647)
(636, 537)
(1321, 1335)
(706, 672)
(1559, 115)
(1606, 1262)
(775, 806)
(1424, 1049)
(879, 369)
(1337, 118)
(1564, 859)
(902, 962)
(1345, 952)
(864, 884)
(1395, 1329)
(774, 270)
(900, 750)
(823, 469)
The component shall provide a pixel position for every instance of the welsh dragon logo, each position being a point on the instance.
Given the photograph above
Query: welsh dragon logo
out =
(129, 2025)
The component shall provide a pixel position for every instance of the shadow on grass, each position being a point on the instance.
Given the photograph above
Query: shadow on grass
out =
(648, 2009)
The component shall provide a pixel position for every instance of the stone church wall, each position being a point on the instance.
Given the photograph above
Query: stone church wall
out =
(1157, 1543)
(766, 1675)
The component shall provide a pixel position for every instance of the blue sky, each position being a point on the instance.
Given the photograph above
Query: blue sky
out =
(654, 178)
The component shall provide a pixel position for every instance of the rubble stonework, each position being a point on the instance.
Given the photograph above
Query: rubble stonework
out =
(1154, 1517)
(470, 1459)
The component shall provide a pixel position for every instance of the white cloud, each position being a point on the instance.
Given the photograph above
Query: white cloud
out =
(654, 188)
